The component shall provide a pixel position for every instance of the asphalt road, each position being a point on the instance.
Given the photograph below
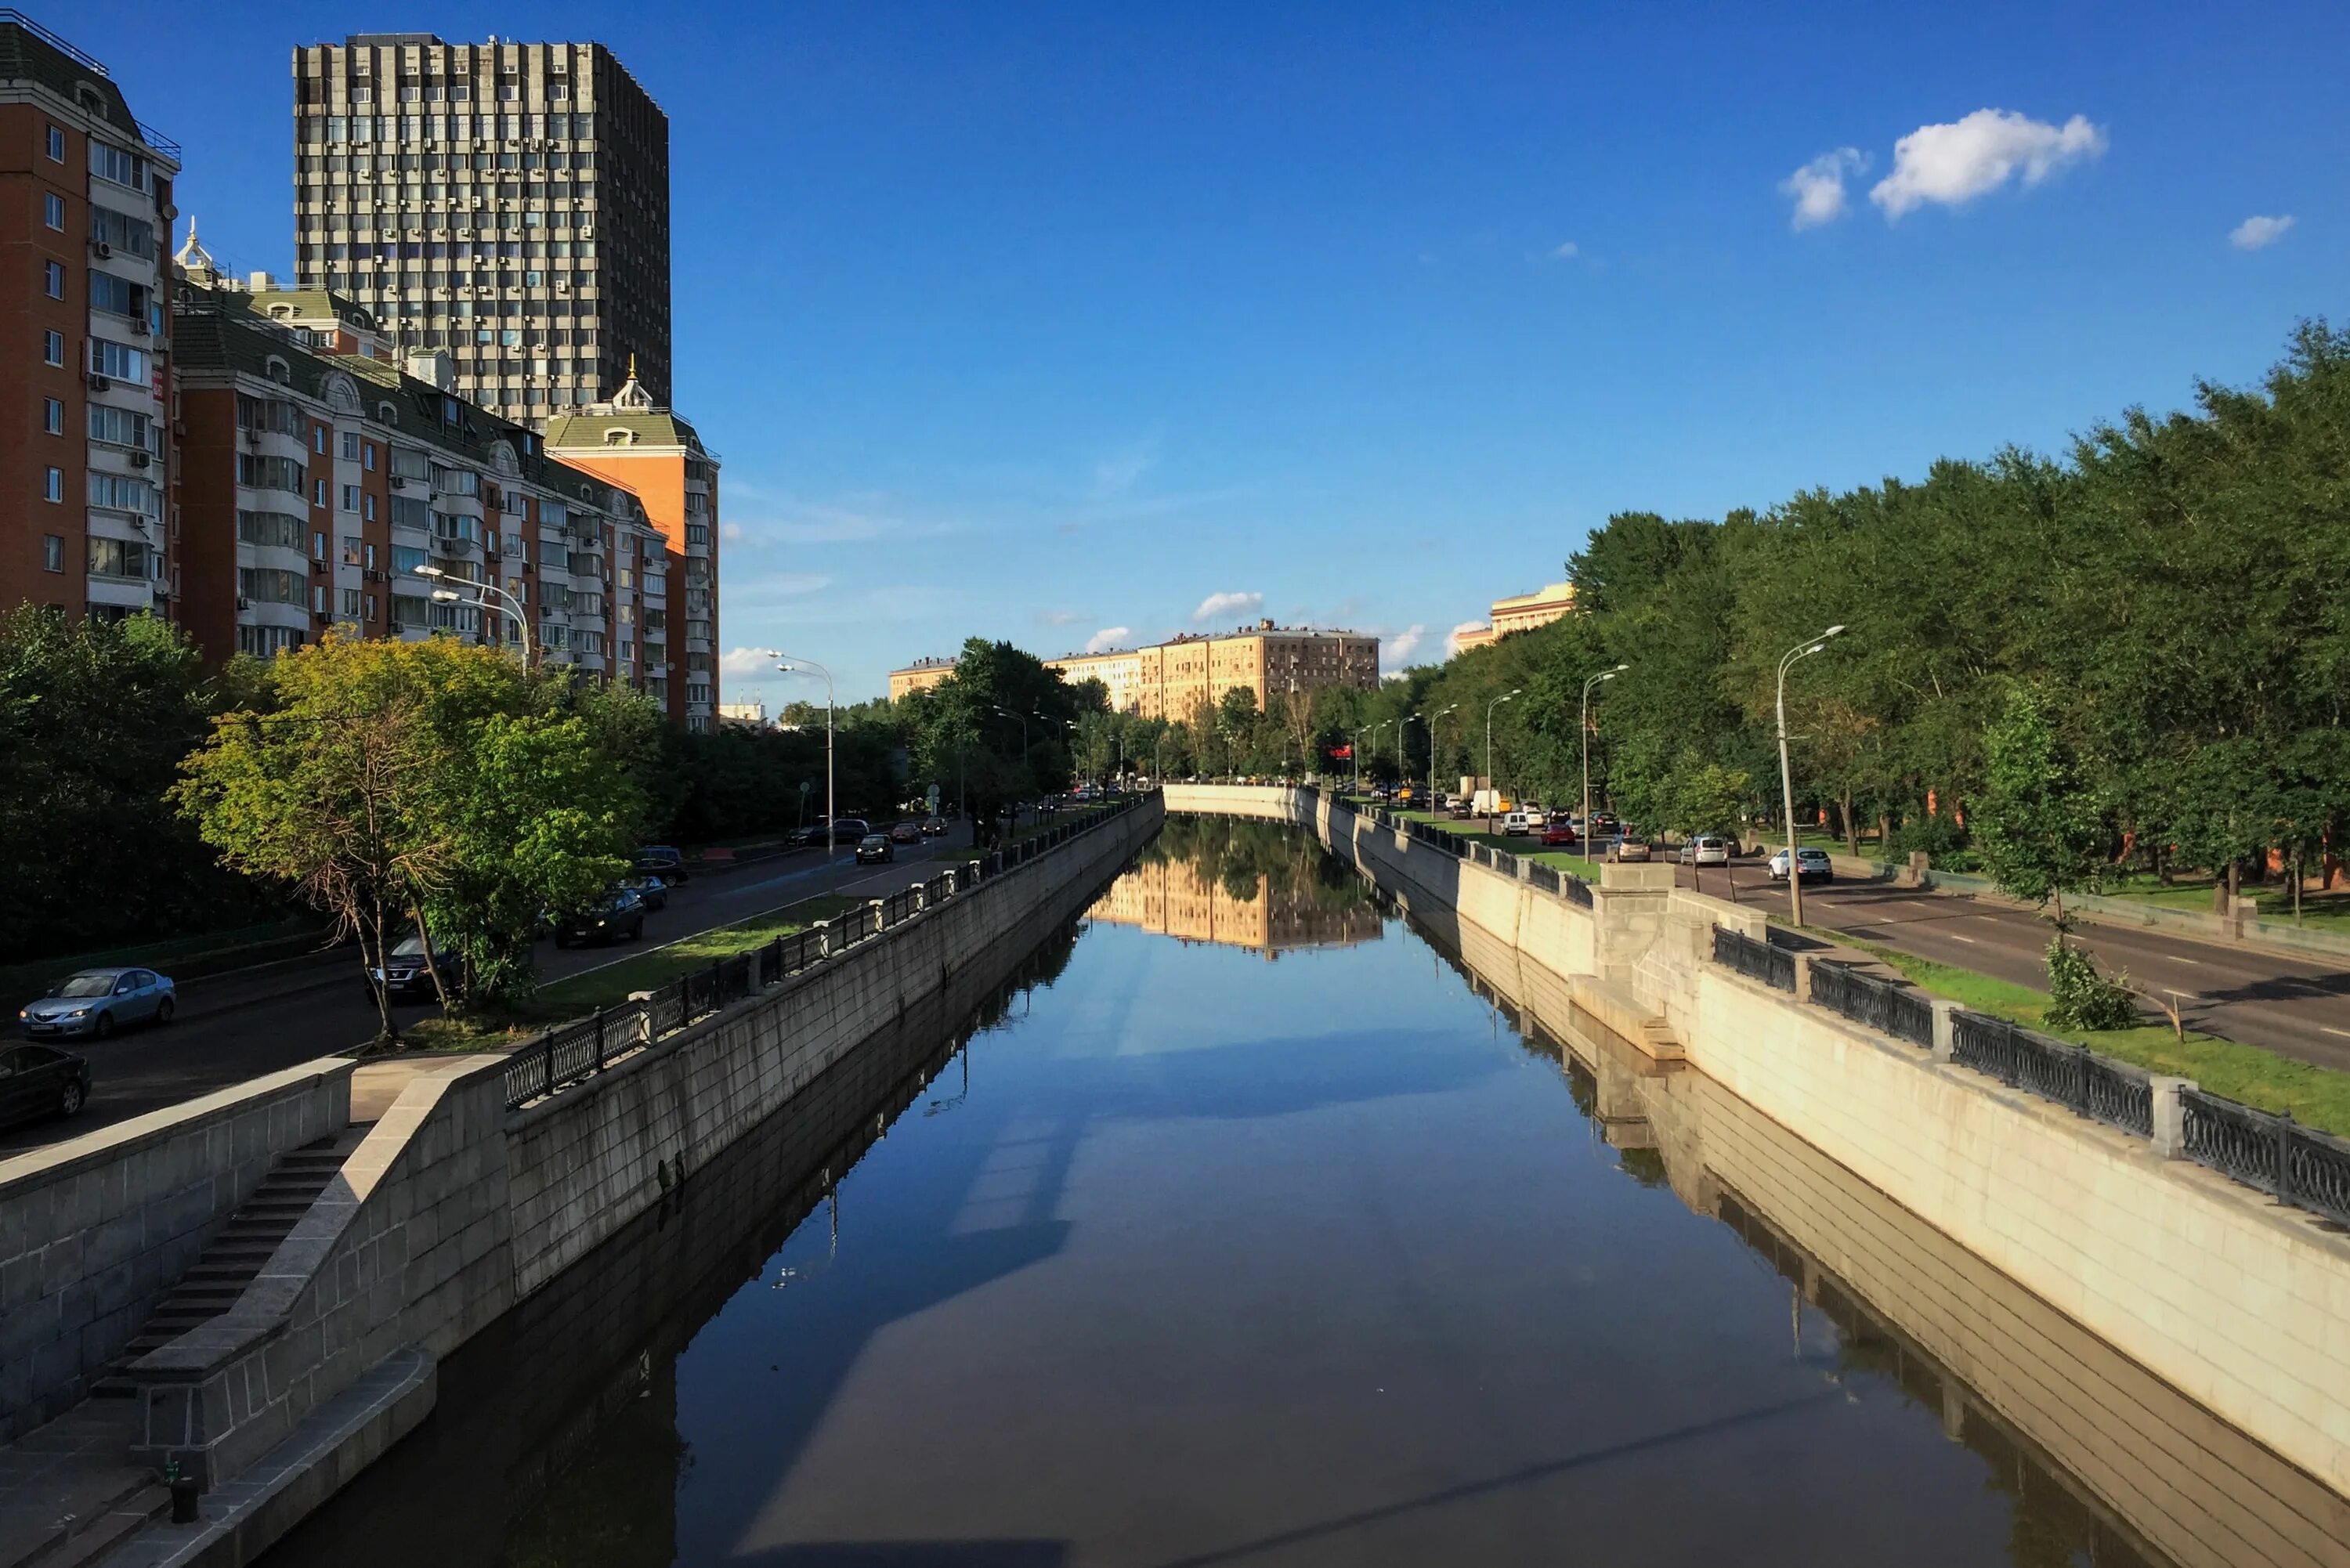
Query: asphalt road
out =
(243, 1024)
(2295, 1007)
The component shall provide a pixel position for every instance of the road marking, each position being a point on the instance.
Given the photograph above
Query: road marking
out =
(2190, 964)
(1956, 938)
(2329, 1028)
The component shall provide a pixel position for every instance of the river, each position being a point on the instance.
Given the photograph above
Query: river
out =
(1246, 1228)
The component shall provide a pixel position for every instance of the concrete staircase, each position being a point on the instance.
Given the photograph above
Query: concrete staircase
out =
(234, 1256)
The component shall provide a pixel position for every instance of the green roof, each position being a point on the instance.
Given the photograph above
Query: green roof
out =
(654, 426)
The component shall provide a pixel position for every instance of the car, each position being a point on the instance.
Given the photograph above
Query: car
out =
(1604, 825)
(850, 830)
(1558, 831)
(1705, 849)
(1811, 864)
(97, 1002)
(1629, 847)
(934, 827)
(907, 832)
(618, 916)
(875, 847)
(1518, 824)
(1462, 810)
(653, 891)
(37, 1081)
(663, 861)
(405, 977)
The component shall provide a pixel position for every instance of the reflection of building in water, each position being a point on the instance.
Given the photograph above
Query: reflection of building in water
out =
(1173, 899)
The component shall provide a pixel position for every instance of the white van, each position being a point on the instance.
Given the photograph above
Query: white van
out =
(1521, 822)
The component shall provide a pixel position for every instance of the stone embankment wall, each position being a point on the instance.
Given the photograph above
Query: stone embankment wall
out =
(2240, 1303)
(95, 1231)
(454, 1207)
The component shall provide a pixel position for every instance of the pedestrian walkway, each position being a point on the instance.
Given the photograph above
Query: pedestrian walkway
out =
(68, 1492)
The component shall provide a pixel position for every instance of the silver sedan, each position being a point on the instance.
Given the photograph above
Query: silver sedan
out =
(97, 1002)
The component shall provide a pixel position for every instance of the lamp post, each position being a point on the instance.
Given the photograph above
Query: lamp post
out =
(1491, 792)
(509, 606)
(1432, 718)
(1603, 675)
(784, 663)
(1801, 650)
(1375, 743)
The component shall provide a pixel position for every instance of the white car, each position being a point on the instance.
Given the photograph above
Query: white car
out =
(1811, 864)
(1518, 824)
(1705, 849)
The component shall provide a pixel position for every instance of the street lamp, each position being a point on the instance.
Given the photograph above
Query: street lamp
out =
(1603, 675)
(510, 606)
(784, 663)
(1375, 742)
(1801, 650)
(1432, 718)
(1491, 792)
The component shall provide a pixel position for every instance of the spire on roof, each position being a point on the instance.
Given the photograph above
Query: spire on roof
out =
(198, 261)
(632, 394)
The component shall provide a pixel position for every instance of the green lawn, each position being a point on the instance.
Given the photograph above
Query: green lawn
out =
(2319, 1097)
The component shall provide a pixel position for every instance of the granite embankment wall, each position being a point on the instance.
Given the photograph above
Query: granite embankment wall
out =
(2238, 1303)
(95, 1231)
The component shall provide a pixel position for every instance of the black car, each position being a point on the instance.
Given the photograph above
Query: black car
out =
(653, 890)
(875, 847)
(662, 861)
(405, 977)
(38, 1081)
(617, 916)
(850, 830)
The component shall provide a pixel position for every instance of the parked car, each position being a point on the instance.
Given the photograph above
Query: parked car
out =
(875, 847)
(38, 1081)
(907, 832)
(1629, 847)
(661, 860)
(1811, 864)
(97, 1002)
(850, 830)
(1705, 849)
(1518, 824)
(1558, 831)
(1604, 825)
(652, 891)
(617, 916)
(406, 977)
(934, 827)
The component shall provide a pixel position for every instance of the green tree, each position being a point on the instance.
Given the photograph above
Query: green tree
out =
(2040, 823)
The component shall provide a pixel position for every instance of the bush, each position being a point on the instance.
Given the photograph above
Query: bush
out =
(2081, 998)
(1944, 842)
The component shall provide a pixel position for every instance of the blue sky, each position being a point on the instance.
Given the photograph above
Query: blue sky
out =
(1042, 321)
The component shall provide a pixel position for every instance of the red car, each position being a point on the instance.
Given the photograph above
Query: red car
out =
(1559, 831)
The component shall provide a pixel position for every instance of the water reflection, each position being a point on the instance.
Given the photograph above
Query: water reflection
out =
(1252, 884)
(1196, 1259)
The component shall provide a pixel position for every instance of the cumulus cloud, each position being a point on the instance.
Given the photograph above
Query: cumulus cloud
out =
(1818, 186)
(2254, 233)
(1396, 648)
(1216, 604)
(1955, 163)
(1110, 636)
(745, 662)
(1453, 639)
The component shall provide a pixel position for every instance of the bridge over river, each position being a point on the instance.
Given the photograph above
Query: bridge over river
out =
(1254, 1223)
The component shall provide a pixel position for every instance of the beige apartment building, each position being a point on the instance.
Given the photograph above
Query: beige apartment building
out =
(919, 676)
(1172, 898)
(1171, 680)
(1520, 612)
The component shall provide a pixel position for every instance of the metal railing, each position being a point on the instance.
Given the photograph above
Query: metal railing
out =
(2276, 1155)
(1900, 1011)
(1754, 959)
(580, 1050)
(2073, 1075)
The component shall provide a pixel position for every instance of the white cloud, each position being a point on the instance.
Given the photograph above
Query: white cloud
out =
(1818, 186)
(1216, 604)
(2254, 233)
(1968, 158)
(1452, 637)
(1567, 252)
(1110, 636)
(1395, 648)
(1059, 617)
(745, 662)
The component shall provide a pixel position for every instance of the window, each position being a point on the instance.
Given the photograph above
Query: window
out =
(53, 416)
(118, 361)
(53, 485)
(53, 210)
(352, 602)
(366, 507)
(351, 550)
(56, 145)
(370, 558)
(318, 598)
(351, 498)
(278, 528)
(119, 427)
(118, 296)
(53, 279)
(266, 641)
(121, 492)
(116, 558)
(318, 493)
(514, 551)
(371, 606)
(261, 472)
(53, 553)
(121, 166)
(350, 446)
(266, 586)
(366, 456)
(53, 348)
(121, 231)
(317, 546)
(408, 557)
(317, 438)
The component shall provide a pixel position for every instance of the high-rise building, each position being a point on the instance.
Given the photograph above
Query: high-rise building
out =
(324, 481)
(84, 298)
(505, 203)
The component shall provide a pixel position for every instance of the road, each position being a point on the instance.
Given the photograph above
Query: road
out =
(2292, 1006)
(240, 1025)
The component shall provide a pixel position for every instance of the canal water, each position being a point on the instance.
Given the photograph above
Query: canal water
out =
(1244, 1229)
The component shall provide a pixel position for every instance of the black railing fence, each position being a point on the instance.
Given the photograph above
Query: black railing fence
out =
(583, 1049)
(1900, 1011)
(1754, 959)
(2073, 1075)
(2299, 1164)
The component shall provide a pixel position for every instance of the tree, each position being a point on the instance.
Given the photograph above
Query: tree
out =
(2040, 824)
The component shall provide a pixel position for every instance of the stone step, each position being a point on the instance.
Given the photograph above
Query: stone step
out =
(90, 1537)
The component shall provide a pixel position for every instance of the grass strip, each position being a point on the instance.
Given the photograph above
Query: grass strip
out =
(2315, 1096)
